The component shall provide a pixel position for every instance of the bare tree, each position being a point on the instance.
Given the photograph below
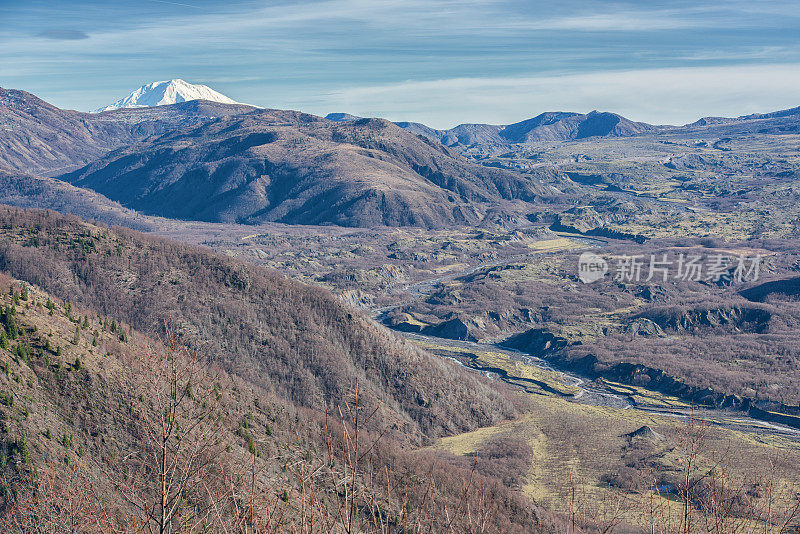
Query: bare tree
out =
(167, 476)
(692, 440)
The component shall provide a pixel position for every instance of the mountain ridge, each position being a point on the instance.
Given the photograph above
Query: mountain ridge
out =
(560, 126)
(254, 165)
(555, 126)
(40, 138)
(290, 167)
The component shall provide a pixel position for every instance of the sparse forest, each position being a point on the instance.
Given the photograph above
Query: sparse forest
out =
(294, 340)
(141, 433)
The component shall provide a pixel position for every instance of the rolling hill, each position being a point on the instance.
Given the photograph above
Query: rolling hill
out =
(297, 341)
(285, 166)
(26, 191)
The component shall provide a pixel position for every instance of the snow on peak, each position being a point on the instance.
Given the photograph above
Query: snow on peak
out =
(167, 92)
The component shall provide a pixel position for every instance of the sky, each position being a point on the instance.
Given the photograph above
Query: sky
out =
(440, 62)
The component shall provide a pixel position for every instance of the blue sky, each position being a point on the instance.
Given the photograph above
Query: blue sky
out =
(440, 62)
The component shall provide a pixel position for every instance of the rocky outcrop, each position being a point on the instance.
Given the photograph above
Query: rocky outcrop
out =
(536, 341)
(453, 329)
(740, 318)
(644, 432)
(405, 322)
(598, 231)
(644, 327)
(789, 288)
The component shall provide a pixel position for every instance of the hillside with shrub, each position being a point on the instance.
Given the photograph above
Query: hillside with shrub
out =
(296, 341)
(106, 429)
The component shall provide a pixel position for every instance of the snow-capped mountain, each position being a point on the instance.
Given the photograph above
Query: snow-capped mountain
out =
(167, 92)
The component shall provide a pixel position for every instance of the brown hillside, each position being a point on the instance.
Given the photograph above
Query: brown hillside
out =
(82, 413)
(281, 336)
(271, 165)
(39, 138)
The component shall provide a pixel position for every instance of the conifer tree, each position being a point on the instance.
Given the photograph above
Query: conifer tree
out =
(11, 325)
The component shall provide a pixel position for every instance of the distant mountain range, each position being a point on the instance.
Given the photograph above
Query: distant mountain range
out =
(217, 162)
(559, 127)
(220, 162)
(546, 127)
(165, 93)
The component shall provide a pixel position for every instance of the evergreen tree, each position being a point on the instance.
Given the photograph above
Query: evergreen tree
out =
(77, 337)
(11, 326)
(24, 453)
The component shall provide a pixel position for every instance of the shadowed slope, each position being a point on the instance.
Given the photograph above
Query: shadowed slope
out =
(39, 138)
(295, 168)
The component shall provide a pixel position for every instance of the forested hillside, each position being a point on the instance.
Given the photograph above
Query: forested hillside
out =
(106, 429)
(294, 340)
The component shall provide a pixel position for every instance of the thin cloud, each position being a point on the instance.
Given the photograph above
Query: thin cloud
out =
(62, 34)
(772, 53)
(176, 4)
(659, 96)
(624, 21)
(295, 54)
